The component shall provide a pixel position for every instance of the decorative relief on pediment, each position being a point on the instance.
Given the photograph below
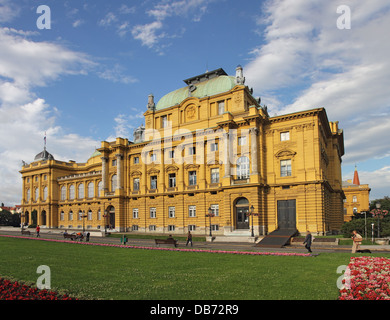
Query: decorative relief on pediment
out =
(285, 153)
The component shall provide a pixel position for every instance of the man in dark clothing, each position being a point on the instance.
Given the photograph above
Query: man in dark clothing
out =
(308, 241)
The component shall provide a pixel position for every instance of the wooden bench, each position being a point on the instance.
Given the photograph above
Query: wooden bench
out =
(69, 236)
(166, 241)
(26, 232)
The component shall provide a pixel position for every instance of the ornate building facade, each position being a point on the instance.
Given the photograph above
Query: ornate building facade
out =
(208, 147)
(357, 197)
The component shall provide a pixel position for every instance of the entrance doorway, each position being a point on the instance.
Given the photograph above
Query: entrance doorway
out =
(43, 218)
(286, 214)
(111, 217)
(242, 208)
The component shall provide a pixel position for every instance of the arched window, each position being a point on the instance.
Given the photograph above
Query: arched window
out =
(28, 194)
(91, 192)
(100, 187)
(243, 168)
(44, 193)
(89, 215)
(71, 192)
(70, 215)
(63, 193)
(113, 183)
(80, 216)
(80, 191)
(62, 215)
(354, 199)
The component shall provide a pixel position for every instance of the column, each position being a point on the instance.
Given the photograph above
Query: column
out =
(254, 177)
(119, 158)
(104, 173)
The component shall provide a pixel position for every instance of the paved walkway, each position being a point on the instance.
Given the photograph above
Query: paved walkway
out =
(234, 246)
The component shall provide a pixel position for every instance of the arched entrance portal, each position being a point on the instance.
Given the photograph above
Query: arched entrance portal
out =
(241, 209)
(43, 218)
(111, 217)
(26, 220)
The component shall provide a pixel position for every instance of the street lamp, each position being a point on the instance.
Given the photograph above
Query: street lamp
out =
(378, 207)
(83, 216)
(210, 214)
(252, 208)
(372, 232)
(365, 224)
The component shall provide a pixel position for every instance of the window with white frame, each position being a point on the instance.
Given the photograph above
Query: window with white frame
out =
(100, 187)
(136, 160)
(70, 215)
(36, 196)
(171, 228)
(91, 191)
(63, 193)
(28, 195)
(214, 147)
(153, 182)
(114, 180)
(243, 168)
(80, 215)
(192, 211)
(242, 141)
(89, 217)
(136, 184)
(71, 192)
(221, 107)
(285, 168)
(215, 209)
(80, 191)
(99, 215)
(62, 216)
(152, 212)
(191, 151)
(192, 178)
(164, 122)
(214, 175)
(44, 193)
(153, 157)
(152, 227)
(285, 136)
(135, 213)
(171, 212)
(172, 180)
(354, 199)
(191, 227)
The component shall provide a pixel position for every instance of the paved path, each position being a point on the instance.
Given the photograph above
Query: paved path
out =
(234, 246)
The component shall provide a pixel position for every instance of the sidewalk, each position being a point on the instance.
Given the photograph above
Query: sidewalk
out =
(237, 246)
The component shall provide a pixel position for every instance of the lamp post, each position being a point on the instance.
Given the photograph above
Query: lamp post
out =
(83, 216)
(372, 232)
(365, 224)
(251, 213)
(378, 207)
(210, 214)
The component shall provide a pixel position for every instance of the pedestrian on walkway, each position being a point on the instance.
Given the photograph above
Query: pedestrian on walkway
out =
(357, 240)
(308, 241)
(189, 238)
(37, 230)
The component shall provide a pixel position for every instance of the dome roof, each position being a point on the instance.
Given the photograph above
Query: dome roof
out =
(44, 155)
(222, 83)
(95, 154)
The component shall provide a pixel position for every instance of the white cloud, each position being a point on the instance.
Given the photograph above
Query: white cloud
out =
(147, 33)
(8, 11)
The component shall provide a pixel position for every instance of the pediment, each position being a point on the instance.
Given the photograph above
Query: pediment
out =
(285, 153)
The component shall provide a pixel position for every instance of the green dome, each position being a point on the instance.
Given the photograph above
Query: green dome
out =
(95, 154)
(203, 89)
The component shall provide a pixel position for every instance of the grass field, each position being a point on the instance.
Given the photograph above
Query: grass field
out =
(95, 272)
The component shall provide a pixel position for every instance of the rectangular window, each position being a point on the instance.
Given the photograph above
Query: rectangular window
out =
(284, 136)
(192, 211)
(152, 228)
(221, 107)
(152, 212)
(242, 141)
(215, 209)
(192, 178)
(164, 121)
(191, 227)
(215, 227)
(285, 168)
(153, 157)
(171, 212)
(215, 175)
(153, 182)
(136, 184)
(171, 228)
(171, 154)
(136, 160)
(214, 147)
(135, 213)
(172, 180)
(134, 228)
(114, 162)
(191, 151)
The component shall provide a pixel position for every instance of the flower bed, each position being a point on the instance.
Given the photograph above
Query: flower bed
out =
(368, 279)
(13, 290)
(167, 249)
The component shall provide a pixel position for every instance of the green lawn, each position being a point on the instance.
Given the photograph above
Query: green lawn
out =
(117, 273)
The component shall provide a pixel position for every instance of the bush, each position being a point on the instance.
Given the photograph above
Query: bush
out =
(358, 225)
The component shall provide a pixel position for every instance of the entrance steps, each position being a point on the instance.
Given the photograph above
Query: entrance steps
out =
(239, 235)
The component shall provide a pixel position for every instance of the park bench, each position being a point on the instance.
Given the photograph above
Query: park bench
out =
(26, 232)
(166, 241)
(70, 236)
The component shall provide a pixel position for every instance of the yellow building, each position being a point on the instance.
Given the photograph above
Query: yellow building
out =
(357, 197)
(206, 147)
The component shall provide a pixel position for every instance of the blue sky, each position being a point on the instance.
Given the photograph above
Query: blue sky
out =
(87, 78)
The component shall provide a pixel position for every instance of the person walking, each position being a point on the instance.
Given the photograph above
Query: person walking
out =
(37, 230)
(189, 238)
(357, 240)
(308, 241)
